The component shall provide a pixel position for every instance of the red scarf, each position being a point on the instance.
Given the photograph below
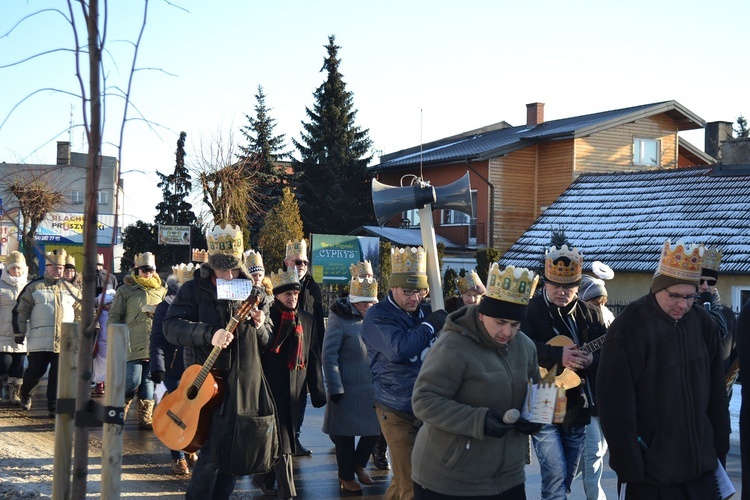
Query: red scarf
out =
(290, 327)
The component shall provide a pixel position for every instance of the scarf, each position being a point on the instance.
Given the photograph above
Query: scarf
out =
(290, 327)
(153, 282)
(17, 281)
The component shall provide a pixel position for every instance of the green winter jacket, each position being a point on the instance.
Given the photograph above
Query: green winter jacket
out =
(134, 305)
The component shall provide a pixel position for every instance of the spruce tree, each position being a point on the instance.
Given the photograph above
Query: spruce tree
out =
(263, 151)
(282, 224)
(331, 176)
(174, 210)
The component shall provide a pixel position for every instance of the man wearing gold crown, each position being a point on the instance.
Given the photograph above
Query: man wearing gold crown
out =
(398, 333)
(558, 313)
(197, 320)
(480, 346)
(292, 367)
(470, 292)
(134, 305)
(42, 307)
(661, 392)
(104, 280)
(310, 300)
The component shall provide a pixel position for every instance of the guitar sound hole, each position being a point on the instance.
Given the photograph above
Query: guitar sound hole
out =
(192, 392)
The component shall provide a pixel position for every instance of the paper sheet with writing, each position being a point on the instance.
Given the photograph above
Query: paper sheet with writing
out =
(540, 403)
(233, 289)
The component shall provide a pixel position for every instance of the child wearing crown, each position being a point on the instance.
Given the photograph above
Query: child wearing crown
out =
(480, 347)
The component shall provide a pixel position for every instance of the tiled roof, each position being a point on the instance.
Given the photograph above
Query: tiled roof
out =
(494, 142)
(403, 237)
(623, 219)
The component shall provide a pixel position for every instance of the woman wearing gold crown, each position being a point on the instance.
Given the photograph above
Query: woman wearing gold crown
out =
(12, 355)
(134, 305)
(470, 445)
(197, 320)
(470, 292)
(349, 411)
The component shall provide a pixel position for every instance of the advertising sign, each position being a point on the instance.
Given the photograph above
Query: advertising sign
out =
(332, 255)
(66, 228)
(174, 235)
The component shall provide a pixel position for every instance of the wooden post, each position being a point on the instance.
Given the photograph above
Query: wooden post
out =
(429, 242)
(114, 397)
(67, 374)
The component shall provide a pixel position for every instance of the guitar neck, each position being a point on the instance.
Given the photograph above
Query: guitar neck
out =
(595, 344)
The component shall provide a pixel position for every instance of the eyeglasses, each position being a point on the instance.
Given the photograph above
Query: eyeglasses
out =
(708, 282)
(677, 297)
(409, 292)
(299, 262)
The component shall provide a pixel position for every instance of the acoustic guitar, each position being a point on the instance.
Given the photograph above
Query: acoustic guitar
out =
(182, 418)
(569, 379)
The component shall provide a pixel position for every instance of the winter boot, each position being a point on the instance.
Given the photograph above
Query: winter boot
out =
(5, 394)
(145, 414)
(15, 392)
(379, 456)
(128, 402)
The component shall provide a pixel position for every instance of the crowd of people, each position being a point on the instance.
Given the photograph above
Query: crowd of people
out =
(449, 392)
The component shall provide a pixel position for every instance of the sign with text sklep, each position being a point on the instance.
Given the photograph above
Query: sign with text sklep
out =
(332, 255)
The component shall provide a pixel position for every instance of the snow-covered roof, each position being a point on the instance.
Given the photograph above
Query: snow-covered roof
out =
(403, 237)
(623, 219)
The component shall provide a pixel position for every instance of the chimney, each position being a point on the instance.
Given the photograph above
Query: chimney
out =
(716, 133)
(534, 114)
(63, 153)
(735, 151)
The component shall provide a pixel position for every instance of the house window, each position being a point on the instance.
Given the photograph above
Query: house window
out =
(410, 218)
(646, 152)
(103, 197)
(76, 197)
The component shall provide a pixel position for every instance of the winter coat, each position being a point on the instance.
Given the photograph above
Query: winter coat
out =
(311, 301)
(128, 308)
(196, 314)
(288, 385)
(397, 342)
(452, 455)
(347, 371)
(163, 356)
(102, 283)
(9, 292)
(42, 307)
(540, 327)
(661, 380)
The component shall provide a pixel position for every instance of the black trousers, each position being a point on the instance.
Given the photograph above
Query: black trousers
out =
(11, 363)
(349, 456)
(38, 364)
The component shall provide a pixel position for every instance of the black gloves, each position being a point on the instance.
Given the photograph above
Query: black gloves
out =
(494, 425)
(337, 397)
(436, 319)
(158, 377)
(525, 427)
(19, 338)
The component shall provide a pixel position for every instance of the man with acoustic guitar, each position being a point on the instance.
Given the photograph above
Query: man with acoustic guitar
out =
(557, 313)
(198, 320)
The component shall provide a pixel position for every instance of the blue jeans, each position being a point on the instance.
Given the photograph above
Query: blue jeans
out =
(558, 450)
(592, 461)
(137, 377)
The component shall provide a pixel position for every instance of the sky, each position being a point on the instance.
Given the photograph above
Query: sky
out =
(418, 70)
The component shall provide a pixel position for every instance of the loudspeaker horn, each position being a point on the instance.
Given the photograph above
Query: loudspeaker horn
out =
(455, 196)
(392, 200)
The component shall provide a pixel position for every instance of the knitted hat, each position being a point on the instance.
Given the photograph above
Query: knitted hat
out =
(224, 248)
(678, 265)
(508, 293)
(15, 259)
(408, 268)
(562, 266)
(591, 288)
(284, 281)
(471, 282)
(363, 290)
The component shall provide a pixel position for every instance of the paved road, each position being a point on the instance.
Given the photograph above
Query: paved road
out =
(146, 473)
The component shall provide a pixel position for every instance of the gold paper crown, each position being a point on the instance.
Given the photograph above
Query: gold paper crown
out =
(288, 277)
(253, 259)
(70, 260)
(712, 259)
(100, 259)
(360, 288)
(408, 260)
(15, 259)
(199, 255)
(57, 257)
(555, 269)
(296, 248)
(145, 259)
(514, 284)
(469, 282)
(363, 268)
(225, 240)
(184, 272)
(682, 261)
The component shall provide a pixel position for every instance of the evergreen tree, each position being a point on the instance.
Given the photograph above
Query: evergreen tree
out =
(332, 177)
(265, 150)
(283, 223)
(485, 258)
(174, 210)
(137, 238)
(741, 131)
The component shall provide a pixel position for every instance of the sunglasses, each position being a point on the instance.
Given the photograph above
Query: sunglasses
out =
(709, 282)
(301, 262)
